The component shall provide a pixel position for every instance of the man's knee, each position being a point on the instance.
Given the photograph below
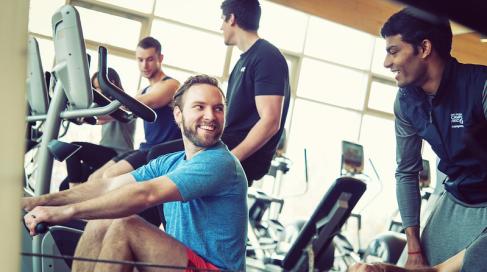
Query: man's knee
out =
(126, 224)
(97, 227)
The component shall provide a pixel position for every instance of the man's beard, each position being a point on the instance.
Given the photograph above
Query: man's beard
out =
(152, 75)
(200, 141)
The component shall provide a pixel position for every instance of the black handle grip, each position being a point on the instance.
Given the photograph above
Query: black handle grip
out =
(132, 104)
(119, 114)
(41, 228)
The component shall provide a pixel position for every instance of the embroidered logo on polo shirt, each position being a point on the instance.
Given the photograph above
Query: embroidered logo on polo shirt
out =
(242, 69)
(456, 120)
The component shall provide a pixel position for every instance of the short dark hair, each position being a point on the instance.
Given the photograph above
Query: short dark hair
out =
(414, 29)
(150, 42)
(246, 12)
(177, 100)
(112, 76)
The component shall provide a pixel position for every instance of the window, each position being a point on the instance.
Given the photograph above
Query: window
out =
(46, 49)
(338, 43)
(139, 5)
(378, 60)
(332, 84)
(180, 75)
(189, 48)
(378, 138)
(320, 129)
(40, 13)
(382, 96)
(126, 68)
(109, 29)
(200, 13)
(282, 26)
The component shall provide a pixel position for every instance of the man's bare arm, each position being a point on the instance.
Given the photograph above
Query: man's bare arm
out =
(121, 202)
(161, 94)
(78, 193)
(127, 200)
(269, 108)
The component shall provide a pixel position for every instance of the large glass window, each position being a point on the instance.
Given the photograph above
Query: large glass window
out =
(320, 129)
(126, 68)
(378, 139)
(332, 84)
(180, 75)
(338, 43)
(40, 13)
(46, 49)
(379, 56)
(139, 5)
(382, 95)
(200, 13)
(189, 48)
(282, 26)
(114, 30)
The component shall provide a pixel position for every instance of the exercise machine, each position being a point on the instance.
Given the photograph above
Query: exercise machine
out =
(72, 98)
(313, 249)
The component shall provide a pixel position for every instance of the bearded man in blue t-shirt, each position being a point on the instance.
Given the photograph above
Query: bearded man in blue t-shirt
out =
(200, 186)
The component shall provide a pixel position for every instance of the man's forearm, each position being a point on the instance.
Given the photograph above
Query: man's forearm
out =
(413, 240)
(408, 199)
(257, 137)
(121, 202)
(78, 193)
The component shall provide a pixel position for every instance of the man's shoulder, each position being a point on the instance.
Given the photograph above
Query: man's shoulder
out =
(471, 71)
(266, 49)
(219, 157)
(170, 159)
(219, 151)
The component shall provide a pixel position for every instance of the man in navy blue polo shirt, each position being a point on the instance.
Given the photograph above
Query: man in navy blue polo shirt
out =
(440, 101)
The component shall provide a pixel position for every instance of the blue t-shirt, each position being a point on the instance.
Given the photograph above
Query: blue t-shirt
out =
(212, 219)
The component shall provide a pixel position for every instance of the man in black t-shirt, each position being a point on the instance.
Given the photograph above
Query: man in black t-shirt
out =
(258, 91)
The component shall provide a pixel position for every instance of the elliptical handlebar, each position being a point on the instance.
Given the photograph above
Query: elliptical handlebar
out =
(132, 104)
(120, 114)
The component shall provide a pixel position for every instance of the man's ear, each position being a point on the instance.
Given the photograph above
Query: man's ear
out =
(426, 48)
(161, 57)
(232, 21)
(177, 115)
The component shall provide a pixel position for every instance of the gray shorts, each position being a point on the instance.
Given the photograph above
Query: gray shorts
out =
(475, 255)
(452, 227)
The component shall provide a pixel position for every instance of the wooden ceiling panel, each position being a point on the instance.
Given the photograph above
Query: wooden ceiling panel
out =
(370, 15)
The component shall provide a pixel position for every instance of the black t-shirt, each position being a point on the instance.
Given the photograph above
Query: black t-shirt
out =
(261, 70)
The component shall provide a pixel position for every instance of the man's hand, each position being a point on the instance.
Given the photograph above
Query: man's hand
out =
(362, 267)
(415, 258)
(46, 214)
(29, 203)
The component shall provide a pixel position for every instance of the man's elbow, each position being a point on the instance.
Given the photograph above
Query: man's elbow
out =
(273, 125)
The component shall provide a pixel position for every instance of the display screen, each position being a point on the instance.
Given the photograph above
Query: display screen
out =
(352, 158)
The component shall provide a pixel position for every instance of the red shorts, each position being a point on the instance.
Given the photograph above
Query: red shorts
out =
(195, 261)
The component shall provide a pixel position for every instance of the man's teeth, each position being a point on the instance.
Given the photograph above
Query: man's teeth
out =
(207, 127)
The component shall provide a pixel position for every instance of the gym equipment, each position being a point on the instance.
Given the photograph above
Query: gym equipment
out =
(72, 98)
(265, 231)
(313, 248)
(385, 247)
